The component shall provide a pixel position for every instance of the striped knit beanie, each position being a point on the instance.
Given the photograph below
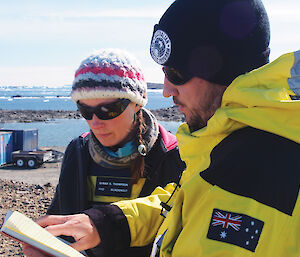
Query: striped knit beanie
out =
(110, 73)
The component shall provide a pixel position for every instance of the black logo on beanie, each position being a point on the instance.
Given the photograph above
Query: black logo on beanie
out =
(160, 47)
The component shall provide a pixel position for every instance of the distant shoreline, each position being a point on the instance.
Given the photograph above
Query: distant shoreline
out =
(29, 116)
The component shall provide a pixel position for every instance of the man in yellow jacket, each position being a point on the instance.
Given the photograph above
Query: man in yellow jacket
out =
(239, 193)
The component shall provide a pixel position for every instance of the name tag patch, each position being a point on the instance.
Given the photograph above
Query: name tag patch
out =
(113, 186)
(235, 228)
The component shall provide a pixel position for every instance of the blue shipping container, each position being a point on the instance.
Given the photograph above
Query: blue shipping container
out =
(6, 147)
(24, 140)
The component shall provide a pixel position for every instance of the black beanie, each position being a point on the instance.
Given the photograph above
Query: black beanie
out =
(216, 40)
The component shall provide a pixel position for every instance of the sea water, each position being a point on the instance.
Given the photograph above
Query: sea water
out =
(60, 132)
(47, 98)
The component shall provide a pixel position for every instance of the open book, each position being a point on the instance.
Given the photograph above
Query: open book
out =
(18, 226)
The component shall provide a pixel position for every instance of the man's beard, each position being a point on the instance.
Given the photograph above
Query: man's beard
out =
(195, 122)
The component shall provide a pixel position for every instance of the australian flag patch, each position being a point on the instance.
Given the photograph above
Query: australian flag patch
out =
(235, 228)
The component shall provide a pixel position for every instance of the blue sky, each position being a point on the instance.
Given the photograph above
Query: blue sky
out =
(42, 42)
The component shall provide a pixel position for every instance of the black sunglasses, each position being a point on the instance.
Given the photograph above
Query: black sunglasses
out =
(175, 76)
(103, 111)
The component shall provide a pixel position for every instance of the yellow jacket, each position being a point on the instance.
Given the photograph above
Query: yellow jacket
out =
(256, 118)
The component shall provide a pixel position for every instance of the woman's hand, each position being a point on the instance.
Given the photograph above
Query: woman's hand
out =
(30, 251)
(79, 226)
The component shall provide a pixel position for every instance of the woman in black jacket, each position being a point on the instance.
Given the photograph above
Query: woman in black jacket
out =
(126, 154)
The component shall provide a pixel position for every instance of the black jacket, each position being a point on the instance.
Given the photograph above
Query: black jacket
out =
(162, 166)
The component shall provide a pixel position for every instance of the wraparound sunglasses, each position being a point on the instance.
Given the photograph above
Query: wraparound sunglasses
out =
(103, 111)
(175, 76)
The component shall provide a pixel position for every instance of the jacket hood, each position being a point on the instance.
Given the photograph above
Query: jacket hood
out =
(265, 98)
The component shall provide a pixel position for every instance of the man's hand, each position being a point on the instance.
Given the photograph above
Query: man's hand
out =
(79, 226)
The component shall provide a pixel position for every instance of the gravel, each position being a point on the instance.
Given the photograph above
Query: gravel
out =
(29, 199)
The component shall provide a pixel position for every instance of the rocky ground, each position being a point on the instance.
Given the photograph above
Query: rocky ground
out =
(36, 116)
(166, 114)
(169, 114)
(30, 199)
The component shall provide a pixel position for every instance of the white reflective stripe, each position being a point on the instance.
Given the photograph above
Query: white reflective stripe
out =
(294, 81)
(155, 249)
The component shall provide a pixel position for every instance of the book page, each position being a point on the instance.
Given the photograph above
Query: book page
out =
(23, 228)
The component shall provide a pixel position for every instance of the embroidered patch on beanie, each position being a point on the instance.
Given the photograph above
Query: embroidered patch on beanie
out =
(160, 49)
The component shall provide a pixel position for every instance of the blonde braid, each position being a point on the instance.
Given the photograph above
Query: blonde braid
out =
(138, 165)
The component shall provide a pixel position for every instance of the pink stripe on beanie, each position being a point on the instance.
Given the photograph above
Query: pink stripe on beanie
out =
(110, 73)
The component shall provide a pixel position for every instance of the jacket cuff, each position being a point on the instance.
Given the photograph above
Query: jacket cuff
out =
(111, 225)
